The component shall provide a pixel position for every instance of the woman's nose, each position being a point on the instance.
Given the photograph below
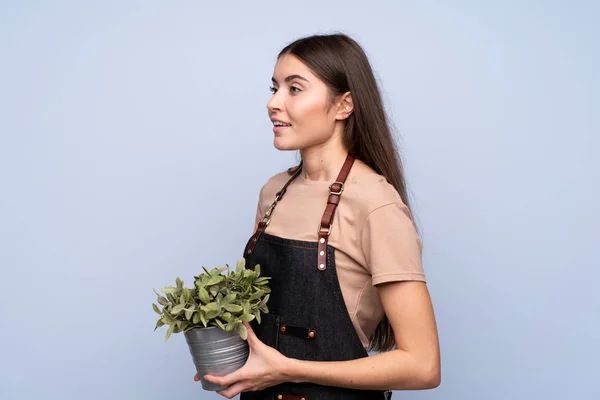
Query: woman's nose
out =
(274, 104)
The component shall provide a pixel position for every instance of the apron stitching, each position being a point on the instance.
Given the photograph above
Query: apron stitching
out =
(288, 245)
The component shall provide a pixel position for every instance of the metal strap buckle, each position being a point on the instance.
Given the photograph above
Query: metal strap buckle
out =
(322, 227)
(338, 193)
(279, 195)
(270, 210)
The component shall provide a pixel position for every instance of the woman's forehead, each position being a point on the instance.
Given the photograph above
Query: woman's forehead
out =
(290, 66)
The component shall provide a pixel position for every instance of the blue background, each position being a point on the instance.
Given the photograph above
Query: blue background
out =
(134, 140)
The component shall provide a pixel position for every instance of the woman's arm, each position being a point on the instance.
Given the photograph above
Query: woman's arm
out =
(415, 364)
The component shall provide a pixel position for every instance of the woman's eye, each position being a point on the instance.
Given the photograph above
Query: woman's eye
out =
(293, 89)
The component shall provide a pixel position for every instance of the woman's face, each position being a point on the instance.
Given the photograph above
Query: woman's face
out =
(301, 102)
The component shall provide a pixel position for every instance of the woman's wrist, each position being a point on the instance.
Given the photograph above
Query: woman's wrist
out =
(291, 370)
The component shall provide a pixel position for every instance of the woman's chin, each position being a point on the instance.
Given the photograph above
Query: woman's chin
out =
(282, 144)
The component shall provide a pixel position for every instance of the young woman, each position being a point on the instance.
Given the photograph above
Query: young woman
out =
(336, 235)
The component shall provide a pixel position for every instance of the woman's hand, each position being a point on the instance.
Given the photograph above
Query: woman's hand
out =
(265, 367)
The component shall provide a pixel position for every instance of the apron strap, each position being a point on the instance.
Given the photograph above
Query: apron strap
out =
(335, 192)
(264, 222)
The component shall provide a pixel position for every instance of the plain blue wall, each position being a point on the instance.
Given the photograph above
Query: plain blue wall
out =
(134, 140)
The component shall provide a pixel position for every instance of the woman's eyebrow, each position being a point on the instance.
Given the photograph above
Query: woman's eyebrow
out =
(291, 77)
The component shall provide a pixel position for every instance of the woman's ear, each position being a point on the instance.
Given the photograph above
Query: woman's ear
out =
(345, 106)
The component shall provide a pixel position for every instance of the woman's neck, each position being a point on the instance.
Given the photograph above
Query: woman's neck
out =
(324, 162)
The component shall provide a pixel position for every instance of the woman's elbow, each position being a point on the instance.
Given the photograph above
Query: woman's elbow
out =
(423, 375)
(431, 376)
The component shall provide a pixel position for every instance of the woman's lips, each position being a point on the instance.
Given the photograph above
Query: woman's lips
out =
(280, 128)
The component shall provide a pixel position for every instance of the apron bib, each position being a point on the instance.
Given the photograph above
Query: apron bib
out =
(307, 319)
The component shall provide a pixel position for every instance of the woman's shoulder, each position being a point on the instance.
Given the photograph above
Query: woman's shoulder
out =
(274, 184)
(370, 190)
(364, 190)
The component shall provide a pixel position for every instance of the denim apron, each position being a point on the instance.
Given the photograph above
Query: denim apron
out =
(307, 319)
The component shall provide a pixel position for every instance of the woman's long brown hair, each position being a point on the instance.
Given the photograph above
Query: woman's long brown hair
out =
(342, 64)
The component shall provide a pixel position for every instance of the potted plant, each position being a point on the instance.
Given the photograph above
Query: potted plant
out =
(211, 316)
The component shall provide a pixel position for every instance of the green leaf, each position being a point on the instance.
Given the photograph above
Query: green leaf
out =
(229, 298)
(162, 300)
(219, 297)
(187, 295)
(226, 316)
(196, 318)
(265, 300)
(217, 270)
(203, 319)
(257, 269)
(213, 310)
(257, 295)
(229, 327)
(240, 265)
(159, 323)
(218, 321)
(155, 307)
(257, 315)
(214, 290)
(182, 299)
(177, 309)
(189, 314)
(247, 291)
(203, 294)
(177, 328)
(215, 279)
(242, 331)
(247, 317)
(212, 314)
(169, 332)
(168, 289)
(205, 270)
(179, 283)
(233, 307)
(168, 318)
(263, 280)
